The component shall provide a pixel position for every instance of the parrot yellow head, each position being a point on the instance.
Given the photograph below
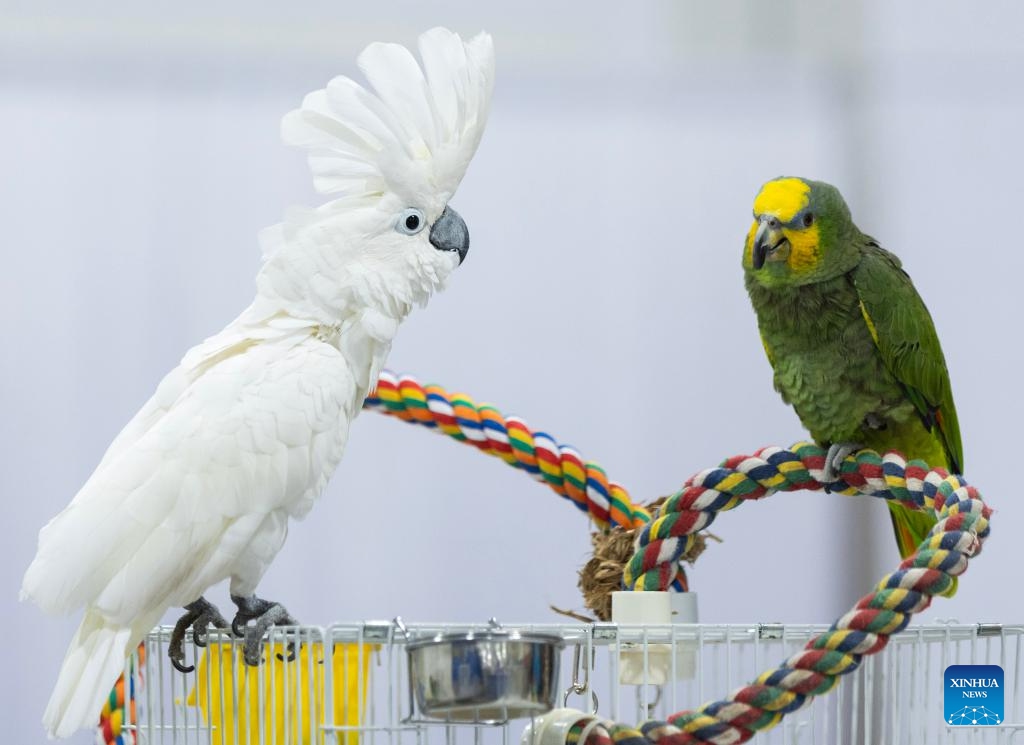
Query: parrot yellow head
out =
(800, 233)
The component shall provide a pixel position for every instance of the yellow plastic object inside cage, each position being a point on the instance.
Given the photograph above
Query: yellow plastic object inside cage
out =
(231, 695)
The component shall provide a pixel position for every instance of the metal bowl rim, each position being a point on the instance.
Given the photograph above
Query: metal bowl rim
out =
(511, 635)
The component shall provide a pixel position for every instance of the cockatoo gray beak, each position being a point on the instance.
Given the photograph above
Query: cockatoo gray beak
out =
(449, 233)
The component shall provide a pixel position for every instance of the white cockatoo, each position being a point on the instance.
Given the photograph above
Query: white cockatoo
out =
(244, 434)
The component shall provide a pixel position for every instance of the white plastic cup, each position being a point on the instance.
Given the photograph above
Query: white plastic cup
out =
(648, 608)
(588, 730)
(558, 727)
(654, 609)
(683, 607)
(552, 728)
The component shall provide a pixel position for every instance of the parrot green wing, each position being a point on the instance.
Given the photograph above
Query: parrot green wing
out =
(905, 336)
(768, 351)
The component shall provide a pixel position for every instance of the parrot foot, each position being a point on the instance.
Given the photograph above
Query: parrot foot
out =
(837, 453)
(200, 615)
(263, 614)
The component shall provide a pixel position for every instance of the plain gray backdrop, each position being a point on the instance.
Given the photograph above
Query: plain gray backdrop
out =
(602, 299)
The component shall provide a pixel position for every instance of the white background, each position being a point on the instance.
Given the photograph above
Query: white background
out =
(602, 299)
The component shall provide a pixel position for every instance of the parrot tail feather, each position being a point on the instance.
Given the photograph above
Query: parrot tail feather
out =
(911, 528)
(93, 661)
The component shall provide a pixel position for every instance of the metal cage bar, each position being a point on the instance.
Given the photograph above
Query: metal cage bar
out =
(349, 684)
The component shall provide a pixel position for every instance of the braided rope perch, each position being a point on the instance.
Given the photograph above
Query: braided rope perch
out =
(561, 467)
(962, 527)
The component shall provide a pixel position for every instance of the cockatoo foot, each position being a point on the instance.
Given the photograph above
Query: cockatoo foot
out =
(200, 615)
(263, 614)
(837, 453)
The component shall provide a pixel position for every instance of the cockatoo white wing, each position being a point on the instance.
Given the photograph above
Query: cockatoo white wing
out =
(152, 411)
(258, 432)
(202, 495)
(235, 337)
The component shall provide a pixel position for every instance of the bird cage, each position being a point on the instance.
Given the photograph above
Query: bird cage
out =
(353, 684)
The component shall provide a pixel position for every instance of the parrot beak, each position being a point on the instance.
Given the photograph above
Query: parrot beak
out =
(767, 238)
(449, 233)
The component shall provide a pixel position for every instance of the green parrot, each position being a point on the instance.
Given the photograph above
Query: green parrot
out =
(852, 344)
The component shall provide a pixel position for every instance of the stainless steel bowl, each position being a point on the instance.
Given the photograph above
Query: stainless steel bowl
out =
(484, 676)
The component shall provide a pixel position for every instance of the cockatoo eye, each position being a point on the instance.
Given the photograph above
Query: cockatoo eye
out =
(410, 221)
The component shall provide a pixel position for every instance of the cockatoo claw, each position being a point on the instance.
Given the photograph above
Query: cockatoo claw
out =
(176, 650)
(180, 667)
(200, 615)
(201, 627)
(263, 614)
(837, 453)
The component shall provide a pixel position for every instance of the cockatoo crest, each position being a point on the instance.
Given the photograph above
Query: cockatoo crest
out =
(413, 135)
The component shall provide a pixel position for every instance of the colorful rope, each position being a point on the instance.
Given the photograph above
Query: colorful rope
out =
(561, 467)
(582, 482)
(958, 535)
(119, 710)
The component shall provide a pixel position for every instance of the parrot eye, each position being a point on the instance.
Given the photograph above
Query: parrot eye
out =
(808, 220)
(410, 221)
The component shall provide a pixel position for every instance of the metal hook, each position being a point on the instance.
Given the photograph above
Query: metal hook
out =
(593, 699)
(579, 687)
(651, 705)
